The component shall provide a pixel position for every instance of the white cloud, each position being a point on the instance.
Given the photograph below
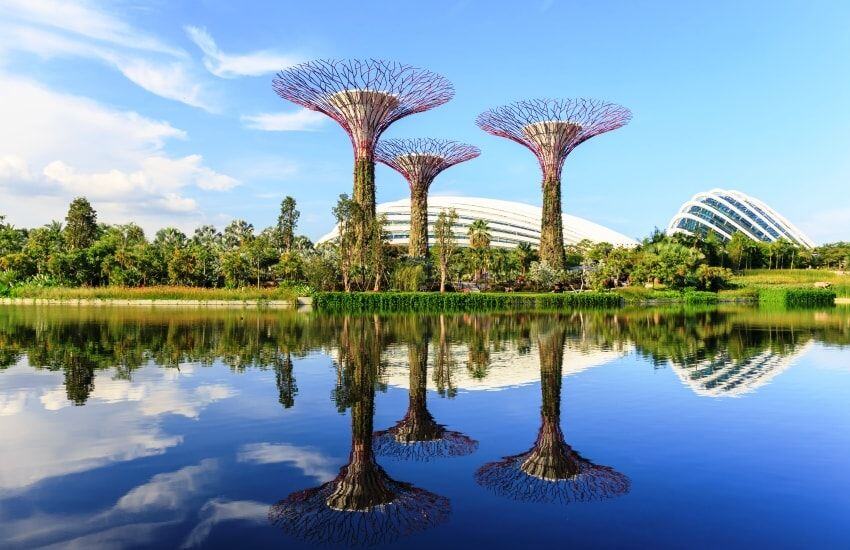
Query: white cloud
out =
(302, 120)
(170, 76)
(233, 65)
(81, 18)
(170, 490)
(55, 146)
(310, 462)
(219, 510)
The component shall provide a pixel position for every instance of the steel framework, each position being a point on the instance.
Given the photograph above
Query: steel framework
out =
(364, 97)
(420, 160)
(551, 129)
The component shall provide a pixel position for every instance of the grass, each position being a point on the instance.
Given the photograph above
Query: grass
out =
(642, 295)
(793, 278)
(353, 302)
(797, 297)
(158, 293)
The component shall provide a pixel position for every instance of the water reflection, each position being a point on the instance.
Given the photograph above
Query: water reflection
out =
(362, 505)
(418, 436)
(551, 471)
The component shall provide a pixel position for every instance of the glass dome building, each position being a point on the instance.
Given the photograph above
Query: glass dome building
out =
(510, 223)
(726, 212)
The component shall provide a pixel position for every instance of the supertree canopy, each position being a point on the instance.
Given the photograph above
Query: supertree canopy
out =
(364, 97)
(551, 129)
(420, 161)
(362, 505)
(418, 436)
(551, 471)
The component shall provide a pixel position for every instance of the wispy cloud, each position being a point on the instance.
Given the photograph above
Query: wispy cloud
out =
(310, 462)
(302, 120)
(218, 510)
(68, 29)
(226, 65)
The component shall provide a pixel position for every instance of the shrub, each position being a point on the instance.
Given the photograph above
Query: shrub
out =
(410, 276)
(544, 276)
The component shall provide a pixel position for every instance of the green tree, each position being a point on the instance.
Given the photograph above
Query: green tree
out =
(479, 247)
(445, 243)
(80, 224)
(287, 222)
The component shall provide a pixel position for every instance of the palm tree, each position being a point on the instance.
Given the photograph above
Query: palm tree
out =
(524, 254)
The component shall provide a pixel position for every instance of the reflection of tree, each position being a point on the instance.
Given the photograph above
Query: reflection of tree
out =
(285, 380)
(418, 436)
(362, 505)
(444, 364)
(551, 471)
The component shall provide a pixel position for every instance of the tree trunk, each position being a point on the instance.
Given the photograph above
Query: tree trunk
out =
(418, 244)
(552, 227)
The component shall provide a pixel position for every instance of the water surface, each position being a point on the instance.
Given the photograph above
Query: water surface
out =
(679, 428)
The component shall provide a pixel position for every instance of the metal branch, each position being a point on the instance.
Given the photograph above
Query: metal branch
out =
(363, 96)
(552, 128)
(420, 160)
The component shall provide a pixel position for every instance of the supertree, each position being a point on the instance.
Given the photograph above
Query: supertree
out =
(362, 505)
(420, 161)
(364, 97)
(418, 436)
(551, 471)
(551, 129)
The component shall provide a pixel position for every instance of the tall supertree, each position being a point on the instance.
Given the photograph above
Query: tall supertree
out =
(418, 436)
(551, 129)
(420, 161)
(362, 505)
(551, 471)
(364, 97)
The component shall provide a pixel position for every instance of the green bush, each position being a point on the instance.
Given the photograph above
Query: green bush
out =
(694, 297)
(410, 277)
(797, 297)
(351, 302)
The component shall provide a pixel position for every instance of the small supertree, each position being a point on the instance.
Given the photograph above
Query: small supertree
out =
(418, 436)
(551, 471)
(420, 161)
(362, 505)
(551, 129)
(364, 97)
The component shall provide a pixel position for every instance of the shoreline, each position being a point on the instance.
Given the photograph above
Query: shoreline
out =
(303, 303)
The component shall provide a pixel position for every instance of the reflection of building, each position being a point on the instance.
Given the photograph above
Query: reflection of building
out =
(506, 367)
(723, 376)
(727, 212)
(510, 223)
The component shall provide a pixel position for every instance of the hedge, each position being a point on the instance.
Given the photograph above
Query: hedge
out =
(797, 297)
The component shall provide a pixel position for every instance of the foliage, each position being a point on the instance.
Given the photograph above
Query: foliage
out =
(544, 276)
(410, 276)
(797, 297)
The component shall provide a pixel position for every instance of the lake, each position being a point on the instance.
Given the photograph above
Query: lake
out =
(666, 428)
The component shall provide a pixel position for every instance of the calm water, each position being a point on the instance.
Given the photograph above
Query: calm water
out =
(663, 428)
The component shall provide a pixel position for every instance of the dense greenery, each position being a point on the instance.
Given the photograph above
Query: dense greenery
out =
(84, 253)
(797, 297)
(352, 302)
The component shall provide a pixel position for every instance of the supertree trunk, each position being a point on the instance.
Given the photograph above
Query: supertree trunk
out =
(418, 247)
(363, 195)
(418, 424)
(362, 484)
(552, 226)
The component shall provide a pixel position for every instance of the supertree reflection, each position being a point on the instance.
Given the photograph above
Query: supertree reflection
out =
(551, 471)
(418, 436)
(362, 505)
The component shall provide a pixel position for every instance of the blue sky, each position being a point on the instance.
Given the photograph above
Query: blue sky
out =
(162, 112)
